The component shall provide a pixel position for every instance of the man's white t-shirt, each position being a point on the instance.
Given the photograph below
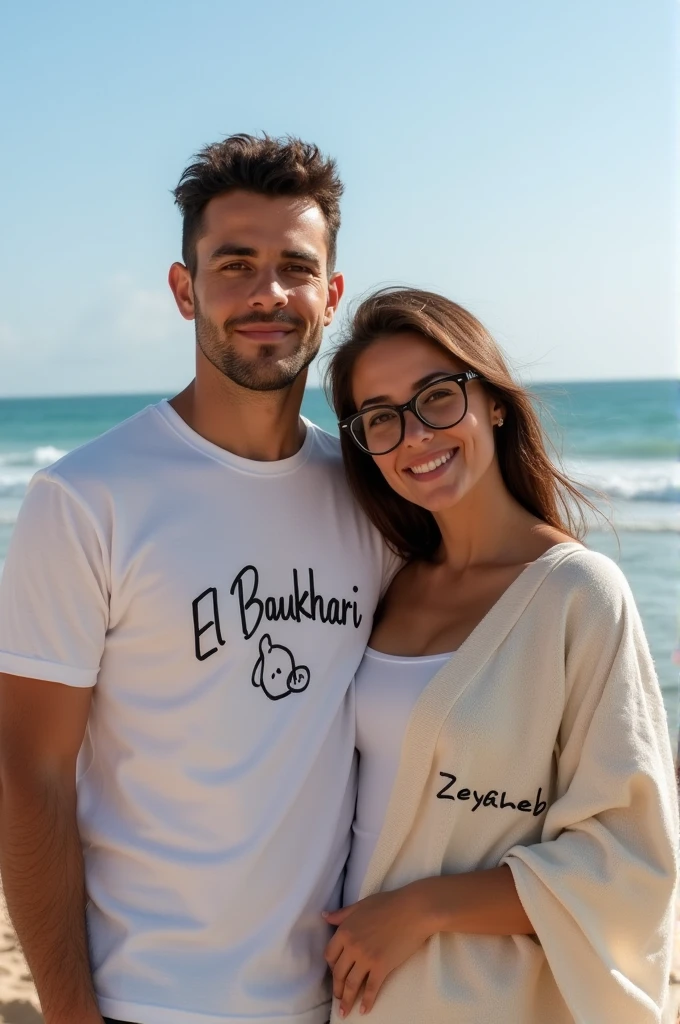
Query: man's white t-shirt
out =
(220, 608)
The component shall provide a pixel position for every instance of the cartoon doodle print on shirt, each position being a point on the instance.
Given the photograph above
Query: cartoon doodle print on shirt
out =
(276, 672)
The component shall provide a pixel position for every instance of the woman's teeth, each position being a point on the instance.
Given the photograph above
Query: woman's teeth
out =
(428, 467)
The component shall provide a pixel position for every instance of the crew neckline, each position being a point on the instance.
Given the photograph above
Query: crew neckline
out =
(381, 656)
(279, 467)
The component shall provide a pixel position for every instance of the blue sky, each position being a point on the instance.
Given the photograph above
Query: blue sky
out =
(520, 157)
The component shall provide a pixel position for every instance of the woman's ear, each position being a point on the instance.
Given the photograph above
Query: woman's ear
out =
(497, 413)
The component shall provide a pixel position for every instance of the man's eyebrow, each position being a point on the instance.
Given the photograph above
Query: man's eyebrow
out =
(385, 399)
(230, 249)
(301, 254)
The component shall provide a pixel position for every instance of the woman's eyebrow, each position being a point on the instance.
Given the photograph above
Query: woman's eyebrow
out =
(385, 399)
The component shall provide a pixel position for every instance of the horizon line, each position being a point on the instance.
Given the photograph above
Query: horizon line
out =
(317, 387)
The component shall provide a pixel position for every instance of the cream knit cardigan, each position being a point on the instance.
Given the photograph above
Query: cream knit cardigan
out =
(543, 744)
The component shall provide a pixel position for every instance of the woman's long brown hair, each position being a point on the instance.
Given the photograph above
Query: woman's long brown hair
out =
(531, 477)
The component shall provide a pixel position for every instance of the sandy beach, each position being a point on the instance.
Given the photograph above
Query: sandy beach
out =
(19, 1001)
(18, 998)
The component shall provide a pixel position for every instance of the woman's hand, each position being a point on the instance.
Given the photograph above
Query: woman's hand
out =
(373, 937)
(378, 934)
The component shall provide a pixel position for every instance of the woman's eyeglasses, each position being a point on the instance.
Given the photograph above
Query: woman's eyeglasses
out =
(379, 429)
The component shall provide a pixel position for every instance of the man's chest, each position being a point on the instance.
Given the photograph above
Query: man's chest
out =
(277, 605)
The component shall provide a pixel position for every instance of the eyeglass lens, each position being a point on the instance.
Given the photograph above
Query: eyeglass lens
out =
(441, 405)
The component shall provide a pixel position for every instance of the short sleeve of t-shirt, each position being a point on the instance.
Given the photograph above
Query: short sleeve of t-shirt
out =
(392, 563)
(54, 592)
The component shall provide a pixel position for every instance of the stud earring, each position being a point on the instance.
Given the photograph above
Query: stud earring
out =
(500, 422)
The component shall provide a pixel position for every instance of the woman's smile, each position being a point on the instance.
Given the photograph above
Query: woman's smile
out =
(432, 468)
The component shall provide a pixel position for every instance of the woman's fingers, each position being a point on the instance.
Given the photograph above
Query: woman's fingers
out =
(336, 917)
(333, 950)
(373, 985)
(341, 970)
(353, 982)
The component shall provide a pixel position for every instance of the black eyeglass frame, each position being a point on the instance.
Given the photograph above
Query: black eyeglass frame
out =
(460, 378)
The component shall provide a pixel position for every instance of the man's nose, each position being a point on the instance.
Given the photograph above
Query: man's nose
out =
(267, 293)
(415, 432)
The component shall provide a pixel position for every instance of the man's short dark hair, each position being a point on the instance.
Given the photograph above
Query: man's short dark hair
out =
(266, 166)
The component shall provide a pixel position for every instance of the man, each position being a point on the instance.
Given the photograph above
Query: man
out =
(183, 607)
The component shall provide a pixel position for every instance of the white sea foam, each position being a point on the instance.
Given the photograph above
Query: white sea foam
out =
(13, 482)
(635, 517)
(653, 483)
(43, 455)
(655, 480)
(17, 468)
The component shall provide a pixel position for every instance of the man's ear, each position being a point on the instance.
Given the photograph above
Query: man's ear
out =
(336, 288)
(182, 287)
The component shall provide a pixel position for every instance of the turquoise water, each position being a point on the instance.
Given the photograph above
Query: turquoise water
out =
(618, 438)
(626, 419)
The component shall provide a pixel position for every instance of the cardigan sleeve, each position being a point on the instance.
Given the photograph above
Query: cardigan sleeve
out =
(599, 887)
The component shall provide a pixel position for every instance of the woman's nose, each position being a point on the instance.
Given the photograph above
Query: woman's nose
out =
(415, 431)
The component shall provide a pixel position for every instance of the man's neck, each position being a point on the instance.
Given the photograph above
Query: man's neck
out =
(263, 426)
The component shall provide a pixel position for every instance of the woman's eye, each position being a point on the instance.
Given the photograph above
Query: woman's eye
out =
(433, 396)
(380, 418)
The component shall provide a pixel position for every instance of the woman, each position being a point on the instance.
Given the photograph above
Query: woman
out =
(514, 856)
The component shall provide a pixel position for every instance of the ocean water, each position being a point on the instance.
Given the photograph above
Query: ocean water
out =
(620, 439)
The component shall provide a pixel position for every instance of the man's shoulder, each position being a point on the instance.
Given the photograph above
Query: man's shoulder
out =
(106, 456)
(327, 445)
(329, 461)
(326, 454)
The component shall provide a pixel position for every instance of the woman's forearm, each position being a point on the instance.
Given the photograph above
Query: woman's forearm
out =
(479, 902)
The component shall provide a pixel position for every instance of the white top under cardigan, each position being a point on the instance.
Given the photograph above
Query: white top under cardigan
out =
(386, 689)
(543, 744)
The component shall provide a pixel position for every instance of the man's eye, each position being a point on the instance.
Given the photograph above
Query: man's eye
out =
(297, 268)
(234, 266)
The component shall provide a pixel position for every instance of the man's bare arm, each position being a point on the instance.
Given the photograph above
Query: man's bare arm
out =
(42, 725)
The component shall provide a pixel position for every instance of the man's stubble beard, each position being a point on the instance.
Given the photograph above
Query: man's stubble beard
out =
(264, 372)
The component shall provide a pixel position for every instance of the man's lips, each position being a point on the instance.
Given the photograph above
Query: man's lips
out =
(267, 333)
